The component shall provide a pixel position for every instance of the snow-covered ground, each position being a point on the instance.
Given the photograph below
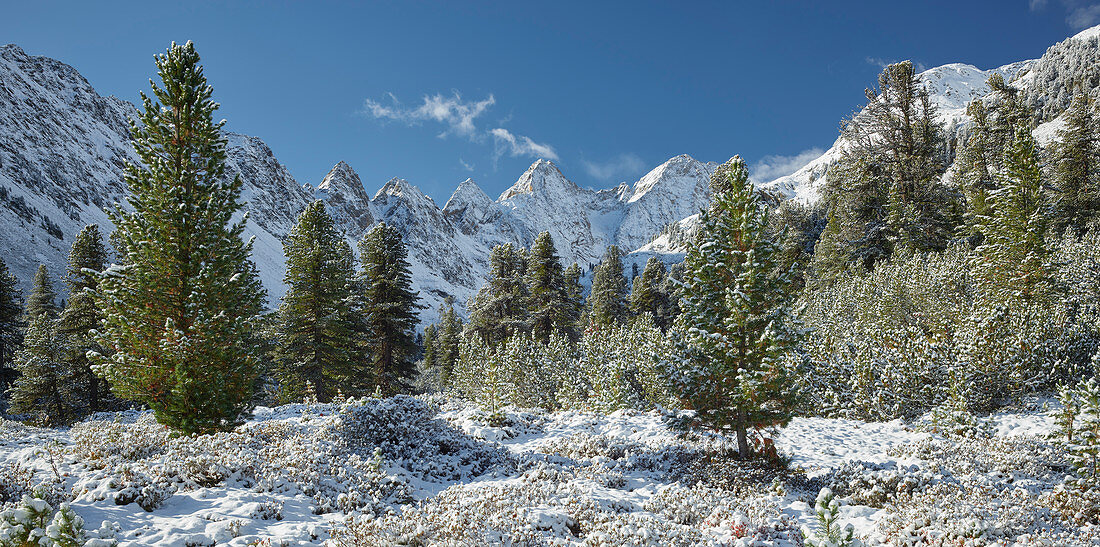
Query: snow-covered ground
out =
(428, 469)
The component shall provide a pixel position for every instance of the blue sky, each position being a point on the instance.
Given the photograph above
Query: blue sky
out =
(438, 92)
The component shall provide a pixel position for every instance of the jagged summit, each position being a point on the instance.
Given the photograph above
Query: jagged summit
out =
(401, 188)
(62, 148)
(542, 177)
(342, 179)
(467, 194)
(676, 167)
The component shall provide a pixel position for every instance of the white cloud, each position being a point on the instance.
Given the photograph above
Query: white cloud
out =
(1080, 14)
(620, 166)
(1082, 17)
(460, 118)
(517, 145)
(465, 166)
(771, 167)
(457, 115)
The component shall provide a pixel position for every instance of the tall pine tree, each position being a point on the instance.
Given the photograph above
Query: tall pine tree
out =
(389, 308)
(1013, 262)
(607, 300)
(736, 325)
(884, 192)
(11, 325)
(43, 298)
(44, 389)
(448, 339)
(574, 303)
(82, 315)
(1077, 167)
(500, 309)
(178, 311)
(317, 342)
(648, 296)
(547, 294)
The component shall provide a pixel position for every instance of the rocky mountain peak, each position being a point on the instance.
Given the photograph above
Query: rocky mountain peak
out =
(342, 183)
(346, 199)
(673, 172)
(543, 177)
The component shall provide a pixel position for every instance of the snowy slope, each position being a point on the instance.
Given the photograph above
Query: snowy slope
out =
(951, 87)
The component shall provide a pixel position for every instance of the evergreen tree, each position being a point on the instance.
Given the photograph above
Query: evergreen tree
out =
(647, 295)
(671, 287)
(429, 361)
(976, 167)
(389, 309)
(448, 338)
(178, 311)
(82, 316)
(43, 297)
(797, 227)
(736, 327)
(1013, 262)
(11, 325)
(884, 193)
(317, 341)
(547, 292)
(1077, 167)
(573, 307)
(500, 309)
(982, 158)
(44, 389)
(607, 300)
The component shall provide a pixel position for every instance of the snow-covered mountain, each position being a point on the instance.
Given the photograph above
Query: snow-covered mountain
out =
(1045, 84)
(63, 148)
(950, 88)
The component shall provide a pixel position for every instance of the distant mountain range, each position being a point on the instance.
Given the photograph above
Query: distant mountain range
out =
(63, 147)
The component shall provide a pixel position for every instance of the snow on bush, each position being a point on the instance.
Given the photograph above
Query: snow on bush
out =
(34, 521)
(343, 463)
(981, 491)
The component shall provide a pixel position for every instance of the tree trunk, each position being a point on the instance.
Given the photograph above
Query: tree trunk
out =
(743, 450)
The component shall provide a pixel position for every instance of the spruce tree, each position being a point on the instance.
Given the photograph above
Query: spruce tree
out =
(574, 303)
(884, 192)
(44, 389)
(1077, 167)
(607, 300)
(43, 298)
(974, 176)
(178, 311)
(11, 325)
(647, 294)
(448, 338)
(316, 338)
(82, 316)
(429, 362)
(389, 309)
(736, 325)
(547, 294)
(1013, 263)
(500, 309)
